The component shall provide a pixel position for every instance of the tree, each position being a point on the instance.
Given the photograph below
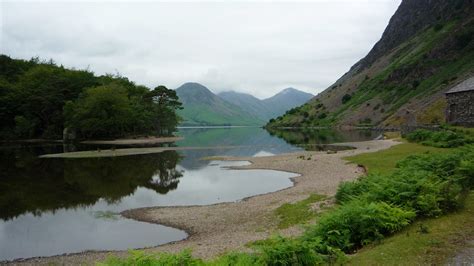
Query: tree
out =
(163, 104)
(103, 111)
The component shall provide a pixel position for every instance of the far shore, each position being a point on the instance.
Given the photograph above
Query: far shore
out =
(136, 141)
(214, 229)
(129, 151)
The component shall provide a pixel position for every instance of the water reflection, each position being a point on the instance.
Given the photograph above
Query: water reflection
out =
(29, 184)
(53, 206)
(313, 136)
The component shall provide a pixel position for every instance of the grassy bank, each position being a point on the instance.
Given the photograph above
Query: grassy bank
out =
(427, 241)
(411, 190)
(384, 162)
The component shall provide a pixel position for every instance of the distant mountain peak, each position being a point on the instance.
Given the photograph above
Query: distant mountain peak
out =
(193, 86)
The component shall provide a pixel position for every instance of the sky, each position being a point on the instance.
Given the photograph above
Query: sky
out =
(247, 46)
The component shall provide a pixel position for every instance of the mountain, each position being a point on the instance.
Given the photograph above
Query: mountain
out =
(247, 102)
(286, 100)
(270, 107)
(202, 107)
(426, 49)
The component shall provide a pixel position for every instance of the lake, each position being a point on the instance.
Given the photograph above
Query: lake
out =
(56, 206)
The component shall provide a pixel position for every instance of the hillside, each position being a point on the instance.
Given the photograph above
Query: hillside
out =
(286, 100)
(202, 107)
(270, 107)
(425, 50)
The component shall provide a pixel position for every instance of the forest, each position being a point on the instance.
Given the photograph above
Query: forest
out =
(39, 99)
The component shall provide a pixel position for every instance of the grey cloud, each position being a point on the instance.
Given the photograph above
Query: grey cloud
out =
(254, 47)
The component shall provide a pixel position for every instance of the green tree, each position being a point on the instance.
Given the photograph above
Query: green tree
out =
(103, 111)
(162, 104)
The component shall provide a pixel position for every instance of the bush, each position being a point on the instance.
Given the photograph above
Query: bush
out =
(346, 98)
(284, 251)
(139, 258)
(440, 139)
(358, 223)
(427, 184)
(419, 135)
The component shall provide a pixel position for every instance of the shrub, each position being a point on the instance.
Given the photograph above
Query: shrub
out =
(237, 259)
(346, 98)
(358, 223)
(427, 184)
(322, 116)
(139, 258)
(419, 135)
(440, 139)
(438, 27)
(284, 251)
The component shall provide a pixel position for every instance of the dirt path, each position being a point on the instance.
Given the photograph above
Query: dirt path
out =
(217, 228)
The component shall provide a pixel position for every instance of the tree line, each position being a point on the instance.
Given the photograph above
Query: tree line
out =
(38, 99)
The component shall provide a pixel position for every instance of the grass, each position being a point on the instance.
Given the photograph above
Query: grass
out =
(384, 162)
(392, 135)
(445, 236)
(368, 222)
(297, 213)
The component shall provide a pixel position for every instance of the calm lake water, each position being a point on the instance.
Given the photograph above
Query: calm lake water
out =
(55, 206)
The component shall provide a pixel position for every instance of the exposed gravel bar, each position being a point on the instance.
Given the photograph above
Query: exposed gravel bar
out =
(138, 141)
(215, 229)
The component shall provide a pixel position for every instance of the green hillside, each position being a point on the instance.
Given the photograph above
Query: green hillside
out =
(423, 52)
(202, 108)
(270, 107)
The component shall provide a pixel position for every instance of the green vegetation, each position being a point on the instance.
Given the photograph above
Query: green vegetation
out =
(39, 99)
(204, 108)
(424, 184)
(416, 70)
(384, 162)
(440, 139)
(346, 98)
(215, 115)
(298, 212)
(446, 233)
(428, 184)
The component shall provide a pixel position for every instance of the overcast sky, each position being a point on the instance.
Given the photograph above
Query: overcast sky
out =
(254, 47)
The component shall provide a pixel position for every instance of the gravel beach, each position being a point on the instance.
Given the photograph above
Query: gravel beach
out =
(215, 229)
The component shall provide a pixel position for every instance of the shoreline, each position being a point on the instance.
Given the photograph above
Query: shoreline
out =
(215, 229)
(136, 141)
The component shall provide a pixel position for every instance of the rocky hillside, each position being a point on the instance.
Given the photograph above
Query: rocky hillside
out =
(268, 108)
(426, 49)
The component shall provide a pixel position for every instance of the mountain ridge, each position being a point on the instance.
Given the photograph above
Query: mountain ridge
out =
(425, 50)
(203, 107)
(270, 107)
